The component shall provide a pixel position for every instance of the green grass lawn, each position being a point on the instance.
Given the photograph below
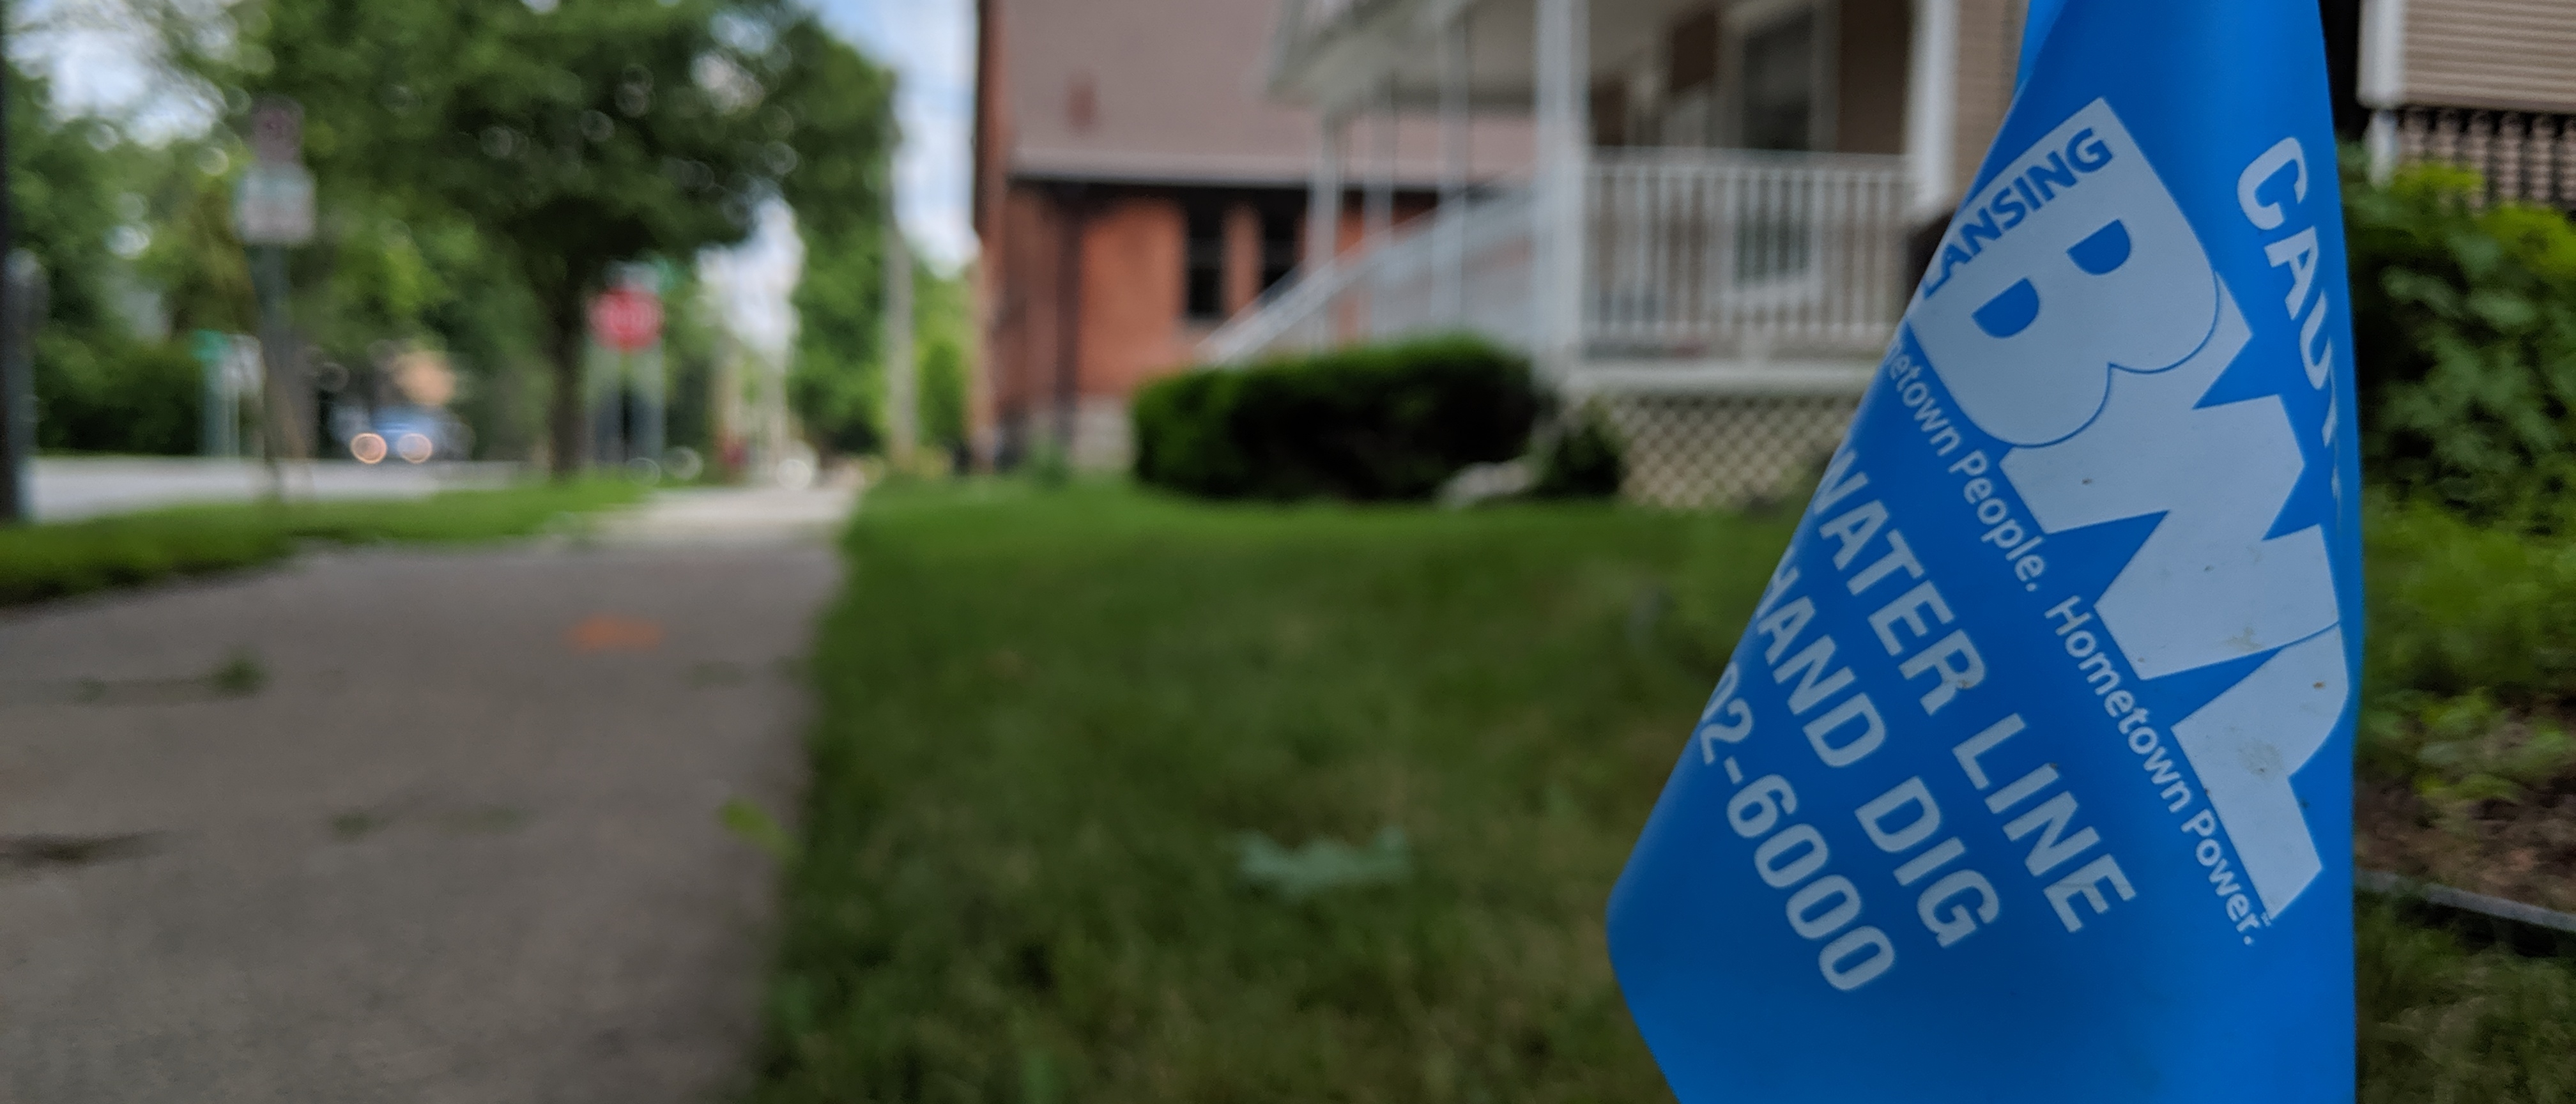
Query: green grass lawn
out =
(1123, 799)
(2442, 1025)
(39, 562)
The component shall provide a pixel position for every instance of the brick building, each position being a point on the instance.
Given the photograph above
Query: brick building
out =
(1134, 188)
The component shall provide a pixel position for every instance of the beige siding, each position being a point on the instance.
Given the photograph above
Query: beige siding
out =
(1989, 55)
(2492, 53)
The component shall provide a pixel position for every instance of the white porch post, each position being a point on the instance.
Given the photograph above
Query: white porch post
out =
(1378, 209)
(1324, 194)
(1931, 109)
(2383, 80)
(1450, 269)
(1564, 75)
(1324, 221)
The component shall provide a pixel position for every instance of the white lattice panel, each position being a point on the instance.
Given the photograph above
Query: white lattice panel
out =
(1705, 451)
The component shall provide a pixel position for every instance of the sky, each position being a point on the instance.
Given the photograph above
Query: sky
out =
(931, 44)
(752, 284)
(98, 59)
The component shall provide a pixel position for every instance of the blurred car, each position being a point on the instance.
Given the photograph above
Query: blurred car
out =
(412, 434)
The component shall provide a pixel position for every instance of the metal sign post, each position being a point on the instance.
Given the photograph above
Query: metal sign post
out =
(25, 310)
(650, 410)
(272, 211)
(17, 416)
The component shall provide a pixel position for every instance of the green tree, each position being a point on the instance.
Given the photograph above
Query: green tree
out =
(77, 185)
(593, 132)
(837, 382)
(195, 259)
(377, 273)
(490, 323)
(691, 346)
(947, 329)
(838, 385)
(63, 190)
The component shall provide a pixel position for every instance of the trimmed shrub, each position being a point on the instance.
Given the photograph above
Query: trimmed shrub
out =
(1366, 424)
(1183, 439)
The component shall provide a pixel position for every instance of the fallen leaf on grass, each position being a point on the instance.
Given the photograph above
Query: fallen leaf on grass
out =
(1322, 864)
(753, 825)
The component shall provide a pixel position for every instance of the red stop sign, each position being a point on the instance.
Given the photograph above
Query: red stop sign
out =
(627, 319)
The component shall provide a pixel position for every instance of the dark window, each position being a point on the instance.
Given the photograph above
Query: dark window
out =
(1690, 52)
(1610, 114)
(1779, 84)
(1204, 278)
(2343, 65)
(1690, 73)
(1278, 247)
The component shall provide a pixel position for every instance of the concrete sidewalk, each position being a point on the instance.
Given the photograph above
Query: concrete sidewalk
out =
(461, 844)
(732, 516)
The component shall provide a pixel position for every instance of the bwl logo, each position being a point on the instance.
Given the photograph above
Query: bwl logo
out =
(2074, 314)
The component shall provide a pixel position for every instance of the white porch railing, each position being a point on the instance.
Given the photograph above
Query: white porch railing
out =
(1689, 255)
(1728, 254)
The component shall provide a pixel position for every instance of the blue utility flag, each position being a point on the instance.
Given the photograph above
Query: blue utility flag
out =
(2030, 779)
(2035, 22)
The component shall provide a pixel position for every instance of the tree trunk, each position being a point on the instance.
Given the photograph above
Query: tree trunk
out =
(570, 444)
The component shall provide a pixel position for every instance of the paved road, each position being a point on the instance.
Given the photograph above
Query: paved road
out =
(461, 846)
(65, 488)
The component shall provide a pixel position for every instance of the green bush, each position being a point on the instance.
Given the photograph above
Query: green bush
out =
(1369, 423)
(2465, 319)
(1585, 460)
(2472, 645)
(113, 395)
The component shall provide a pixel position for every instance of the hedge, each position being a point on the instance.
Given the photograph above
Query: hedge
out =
(116, 395)
(1370, 423)
(2465, 315)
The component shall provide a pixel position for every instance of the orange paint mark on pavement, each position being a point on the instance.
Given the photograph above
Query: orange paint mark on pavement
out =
(607, 632)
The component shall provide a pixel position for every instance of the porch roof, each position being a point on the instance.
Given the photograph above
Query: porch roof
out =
(1330, 53)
